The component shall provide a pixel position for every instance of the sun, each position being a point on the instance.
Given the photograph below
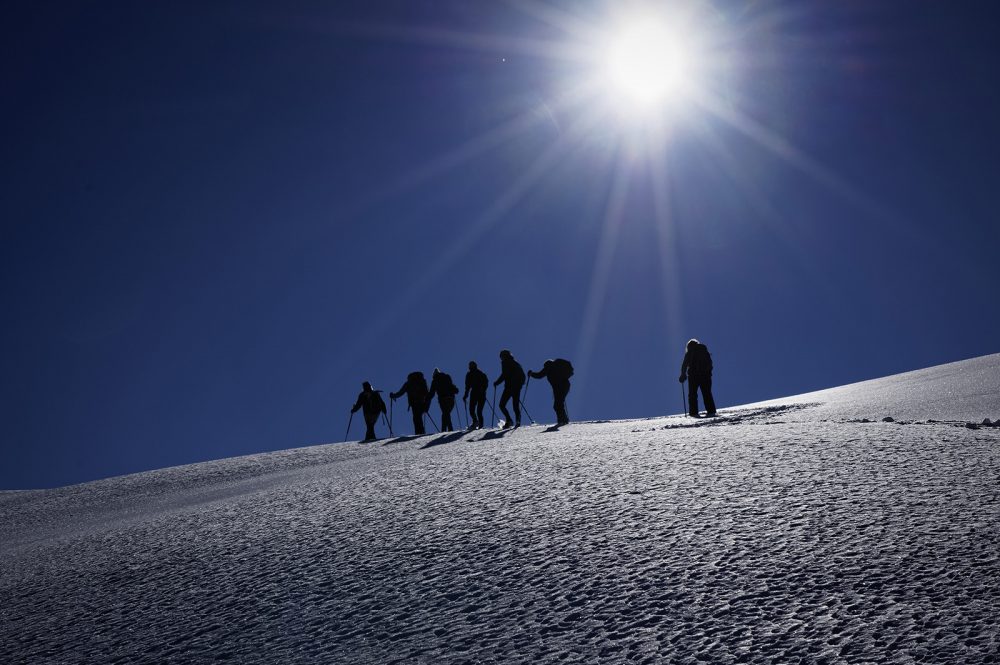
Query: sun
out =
(648, 63)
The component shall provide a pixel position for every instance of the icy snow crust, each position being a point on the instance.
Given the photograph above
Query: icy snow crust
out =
(784, 532)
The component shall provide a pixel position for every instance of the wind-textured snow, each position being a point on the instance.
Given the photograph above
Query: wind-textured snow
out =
(792, 531)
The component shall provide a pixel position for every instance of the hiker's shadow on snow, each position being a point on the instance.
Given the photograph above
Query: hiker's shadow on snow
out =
(495, 434)
(552, 428)
(443, 439)
(403, 439)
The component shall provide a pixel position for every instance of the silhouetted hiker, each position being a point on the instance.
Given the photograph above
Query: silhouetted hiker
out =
(445, 389)
(476, 383)
(372, 405)
(697, 369)
(512, 378)
(415, 390)
(557, 372)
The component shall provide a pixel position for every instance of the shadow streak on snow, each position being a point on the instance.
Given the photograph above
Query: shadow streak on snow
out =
(443, 439)
(495, 434)
(404, 439)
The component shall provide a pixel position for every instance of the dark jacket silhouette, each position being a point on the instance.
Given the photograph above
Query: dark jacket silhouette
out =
(697, 369)
(415, 390)
(371, 404)
(445, 389)
(558, 372)
(476, 383)
(512, 378)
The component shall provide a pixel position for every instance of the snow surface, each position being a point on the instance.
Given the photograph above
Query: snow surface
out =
(788, 531)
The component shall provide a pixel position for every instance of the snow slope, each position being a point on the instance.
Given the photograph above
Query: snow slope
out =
(789, 531)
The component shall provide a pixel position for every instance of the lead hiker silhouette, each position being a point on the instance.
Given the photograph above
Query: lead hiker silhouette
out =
(476, 383)
(415, 389)
(372, 405)
(558, 372)
(445, 389)
(512, 378)
(697, 369)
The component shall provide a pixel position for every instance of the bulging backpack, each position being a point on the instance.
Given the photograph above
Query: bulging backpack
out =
(563, 367)
(700, 362)
(416, 380)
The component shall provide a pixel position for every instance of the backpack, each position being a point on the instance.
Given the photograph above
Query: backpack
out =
(562, 368)
(416, 384)
(378, 401)
(448, 385)
(700, 362)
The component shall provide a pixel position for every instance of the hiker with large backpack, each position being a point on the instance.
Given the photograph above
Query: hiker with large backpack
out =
(415, 389)
(476, 383)
(445, 389)
(372, 406)
(512, 378)
(697, 369)
(558, 372)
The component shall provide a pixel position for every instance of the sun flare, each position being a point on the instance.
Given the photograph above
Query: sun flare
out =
(648, 64)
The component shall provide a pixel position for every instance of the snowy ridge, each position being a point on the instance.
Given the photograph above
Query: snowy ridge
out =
(787, 531)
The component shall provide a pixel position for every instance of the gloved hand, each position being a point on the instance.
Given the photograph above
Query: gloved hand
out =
(683, 378)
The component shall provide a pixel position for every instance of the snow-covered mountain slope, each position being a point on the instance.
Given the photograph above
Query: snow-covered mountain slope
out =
(790, 531)
(968, 390)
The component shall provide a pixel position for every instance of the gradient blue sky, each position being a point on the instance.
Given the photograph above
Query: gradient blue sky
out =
(220, 218)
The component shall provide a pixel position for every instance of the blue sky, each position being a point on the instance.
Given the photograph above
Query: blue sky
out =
(220, 218)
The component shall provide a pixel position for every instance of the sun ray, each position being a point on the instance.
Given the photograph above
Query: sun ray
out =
(670, 289)
(554, 50)
(471, 233)
(797, 158)
(764, 208)
(471, 149)
(602, 269)
(569, 23)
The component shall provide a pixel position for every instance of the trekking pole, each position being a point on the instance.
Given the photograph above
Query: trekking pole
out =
(391, 402)
(684, 399)
(524, 399)
(494, 423)
(348, 432)
(431, 418)
(387, 424)
(527, 414)
(492, 410)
